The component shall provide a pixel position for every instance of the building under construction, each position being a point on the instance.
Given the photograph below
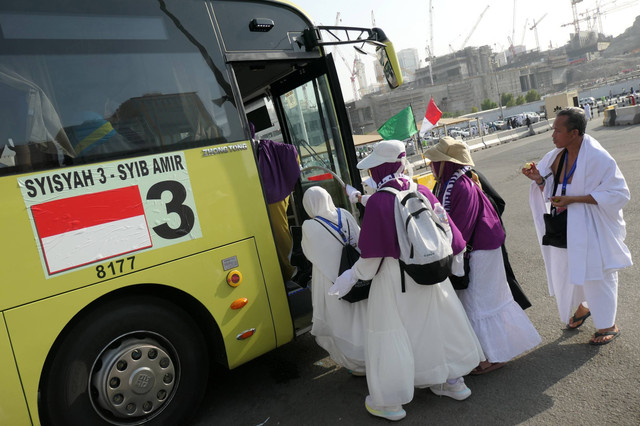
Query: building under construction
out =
(463, 79)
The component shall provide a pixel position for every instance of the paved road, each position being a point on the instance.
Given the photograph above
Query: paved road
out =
(564, 381)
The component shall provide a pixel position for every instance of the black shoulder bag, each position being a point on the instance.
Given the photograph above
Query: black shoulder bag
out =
(555, 224)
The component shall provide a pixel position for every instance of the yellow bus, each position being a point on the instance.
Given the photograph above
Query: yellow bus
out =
(137, 244)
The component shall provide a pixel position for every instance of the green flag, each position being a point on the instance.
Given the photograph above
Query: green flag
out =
(401, 126)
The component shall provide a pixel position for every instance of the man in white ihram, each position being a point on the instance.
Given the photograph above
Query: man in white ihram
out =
(589, 185)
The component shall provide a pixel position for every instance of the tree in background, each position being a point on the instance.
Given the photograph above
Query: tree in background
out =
(474, 109)
(532, 95)
(520, 100)
(507, 100)
(488, 104)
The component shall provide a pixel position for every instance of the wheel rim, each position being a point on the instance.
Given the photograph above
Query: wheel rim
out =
(134, 378)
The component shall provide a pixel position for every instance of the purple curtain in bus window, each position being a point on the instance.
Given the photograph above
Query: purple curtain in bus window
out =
(279, 169)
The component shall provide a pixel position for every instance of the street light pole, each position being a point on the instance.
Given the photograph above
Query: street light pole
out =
(499, 97)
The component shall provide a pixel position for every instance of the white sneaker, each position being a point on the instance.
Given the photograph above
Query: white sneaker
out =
(394, 413)
(358, 373)
(458, 390)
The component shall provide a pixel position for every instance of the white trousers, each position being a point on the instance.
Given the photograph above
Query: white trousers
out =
(601, 296)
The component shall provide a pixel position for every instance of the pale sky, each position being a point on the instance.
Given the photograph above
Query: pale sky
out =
(406, 23)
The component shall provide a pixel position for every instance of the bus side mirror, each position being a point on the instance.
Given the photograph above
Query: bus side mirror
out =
(388, 60)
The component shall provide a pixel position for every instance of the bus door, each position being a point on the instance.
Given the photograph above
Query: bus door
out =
(313, 117)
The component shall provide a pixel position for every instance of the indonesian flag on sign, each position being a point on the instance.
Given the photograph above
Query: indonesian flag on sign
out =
(431, 117)
(77, 231)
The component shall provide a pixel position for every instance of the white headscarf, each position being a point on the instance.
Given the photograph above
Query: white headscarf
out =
(317, 202)
(321, 248)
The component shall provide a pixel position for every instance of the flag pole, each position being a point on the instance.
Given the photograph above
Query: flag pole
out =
(419, 142)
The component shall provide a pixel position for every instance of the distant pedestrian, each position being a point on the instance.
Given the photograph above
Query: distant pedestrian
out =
(587, 110)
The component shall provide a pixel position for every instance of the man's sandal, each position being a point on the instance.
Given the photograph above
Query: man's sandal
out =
(580, 319)
(606, 333)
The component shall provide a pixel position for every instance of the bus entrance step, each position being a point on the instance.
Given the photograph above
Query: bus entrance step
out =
(299, 299)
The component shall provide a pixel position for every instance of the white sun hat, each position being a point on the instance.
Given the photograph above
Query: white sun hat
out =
(384, 152)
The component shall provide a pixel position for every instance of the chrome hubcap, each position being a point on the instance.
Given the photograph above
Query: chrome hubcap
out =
(134, 379)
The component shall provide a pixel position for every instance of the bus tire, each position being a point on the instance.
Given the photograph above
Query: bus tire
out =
(139, 361)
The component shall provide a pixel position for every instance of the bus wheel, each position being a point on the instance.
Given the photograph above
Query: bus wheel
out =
(139, 361)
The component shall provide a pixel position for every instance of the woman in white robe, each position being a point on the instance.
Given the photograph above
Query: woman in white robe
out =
(503, 328)
(338, 326)
(420, 337)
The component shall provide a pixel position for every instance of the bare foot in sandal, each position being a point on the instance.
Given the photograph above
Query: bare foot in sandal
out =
(605, 335)
(486, 367)
(578, 318)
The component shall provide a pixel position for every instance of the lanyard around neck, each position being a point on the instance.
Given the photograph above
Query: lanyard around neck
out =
(566, 177)
(337, 228)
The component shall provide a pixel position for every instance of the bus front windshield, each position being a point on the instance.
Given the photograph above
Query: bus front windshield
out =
(102, 85)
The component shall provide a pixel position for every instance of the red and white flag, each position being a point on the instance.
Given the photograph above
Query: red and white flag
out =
(431, 117)
(76, 231)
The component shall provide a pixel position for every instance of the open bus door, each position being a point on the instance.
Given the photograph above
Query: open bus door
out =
(311, 115)
(308, 112)
(313, 118)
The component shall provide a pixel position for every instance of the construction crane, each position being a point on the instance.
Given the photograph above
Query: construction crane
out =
(576, 21)
(353, 70)
(513, 27)
(429, 48)
(524, 31)
(464, 43)
(431, 51)
(534, 27)
(602, 9)
(512, 48)
(513, 32)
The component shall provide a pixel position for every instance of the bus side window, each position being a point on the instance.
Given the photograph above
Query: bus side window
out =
(30, 127)
(13, 125)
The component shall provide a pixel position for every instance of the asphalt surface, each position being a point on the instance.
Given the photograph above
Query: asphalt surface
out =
(563, 381)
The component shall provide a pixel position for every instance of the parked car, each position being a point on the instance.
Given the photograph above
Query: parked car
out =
(588, 100)
(519, 119)
(457, 133)
(410, 148)
(501, 125)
